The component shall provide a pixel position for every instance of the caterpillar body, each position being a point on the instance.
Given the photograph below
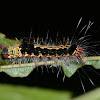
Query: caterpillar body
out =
(70, 53)
(33, 52)
(36, 51)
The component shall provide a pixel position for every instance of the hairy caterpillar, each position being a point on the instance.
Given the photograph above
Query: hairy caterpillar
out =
(37, 50)
(34, 51)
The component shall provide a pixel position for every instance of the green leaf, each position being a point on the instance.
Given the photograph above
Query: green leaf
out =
(71, 68)
(94, 63)
(92, 95)
(18, 72)
(11, 92)
(8, 42)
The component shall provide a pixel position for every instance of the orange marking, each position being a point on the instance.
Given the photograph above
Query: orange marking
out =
(66, 55)
(70, 55)
(39, 45)
(79, 53)
(17, 55)
(29, 55)
(46, 47)
(61, 56)
(11, 56)
(35, 56)
(74, 56)
(61, 46)
(6, 56)
(66, 46)
(16, 46)
(52, 56)
(80, 49)
(23, 55)
(2, 47)
(54, 47)
(43, 56)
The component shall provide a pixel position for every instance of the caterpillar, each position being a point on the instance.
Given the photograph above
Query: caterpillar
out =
(35, 51)
(69, 52)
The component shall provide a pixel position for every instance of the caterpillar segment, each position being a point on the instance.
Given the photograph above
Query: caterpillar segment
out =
(36, 52)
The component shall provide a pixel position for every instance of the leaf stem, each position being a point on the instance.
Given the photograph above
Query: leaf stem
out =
(48, 63)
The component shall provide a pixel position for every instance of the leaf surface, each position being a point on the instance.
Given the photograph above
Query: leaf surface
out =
(18, 72)
(71, 68)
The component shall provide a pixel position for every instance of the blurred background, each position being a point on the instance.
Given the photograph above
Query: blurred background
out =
(48, 79)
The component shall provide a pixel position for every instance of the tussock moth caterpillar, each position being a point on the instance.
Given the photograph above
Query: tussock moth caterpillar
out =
(70, 52)
(39, 50)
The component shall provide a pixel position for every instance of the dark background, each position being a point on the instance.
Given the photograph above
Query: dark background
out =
(48, 79)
